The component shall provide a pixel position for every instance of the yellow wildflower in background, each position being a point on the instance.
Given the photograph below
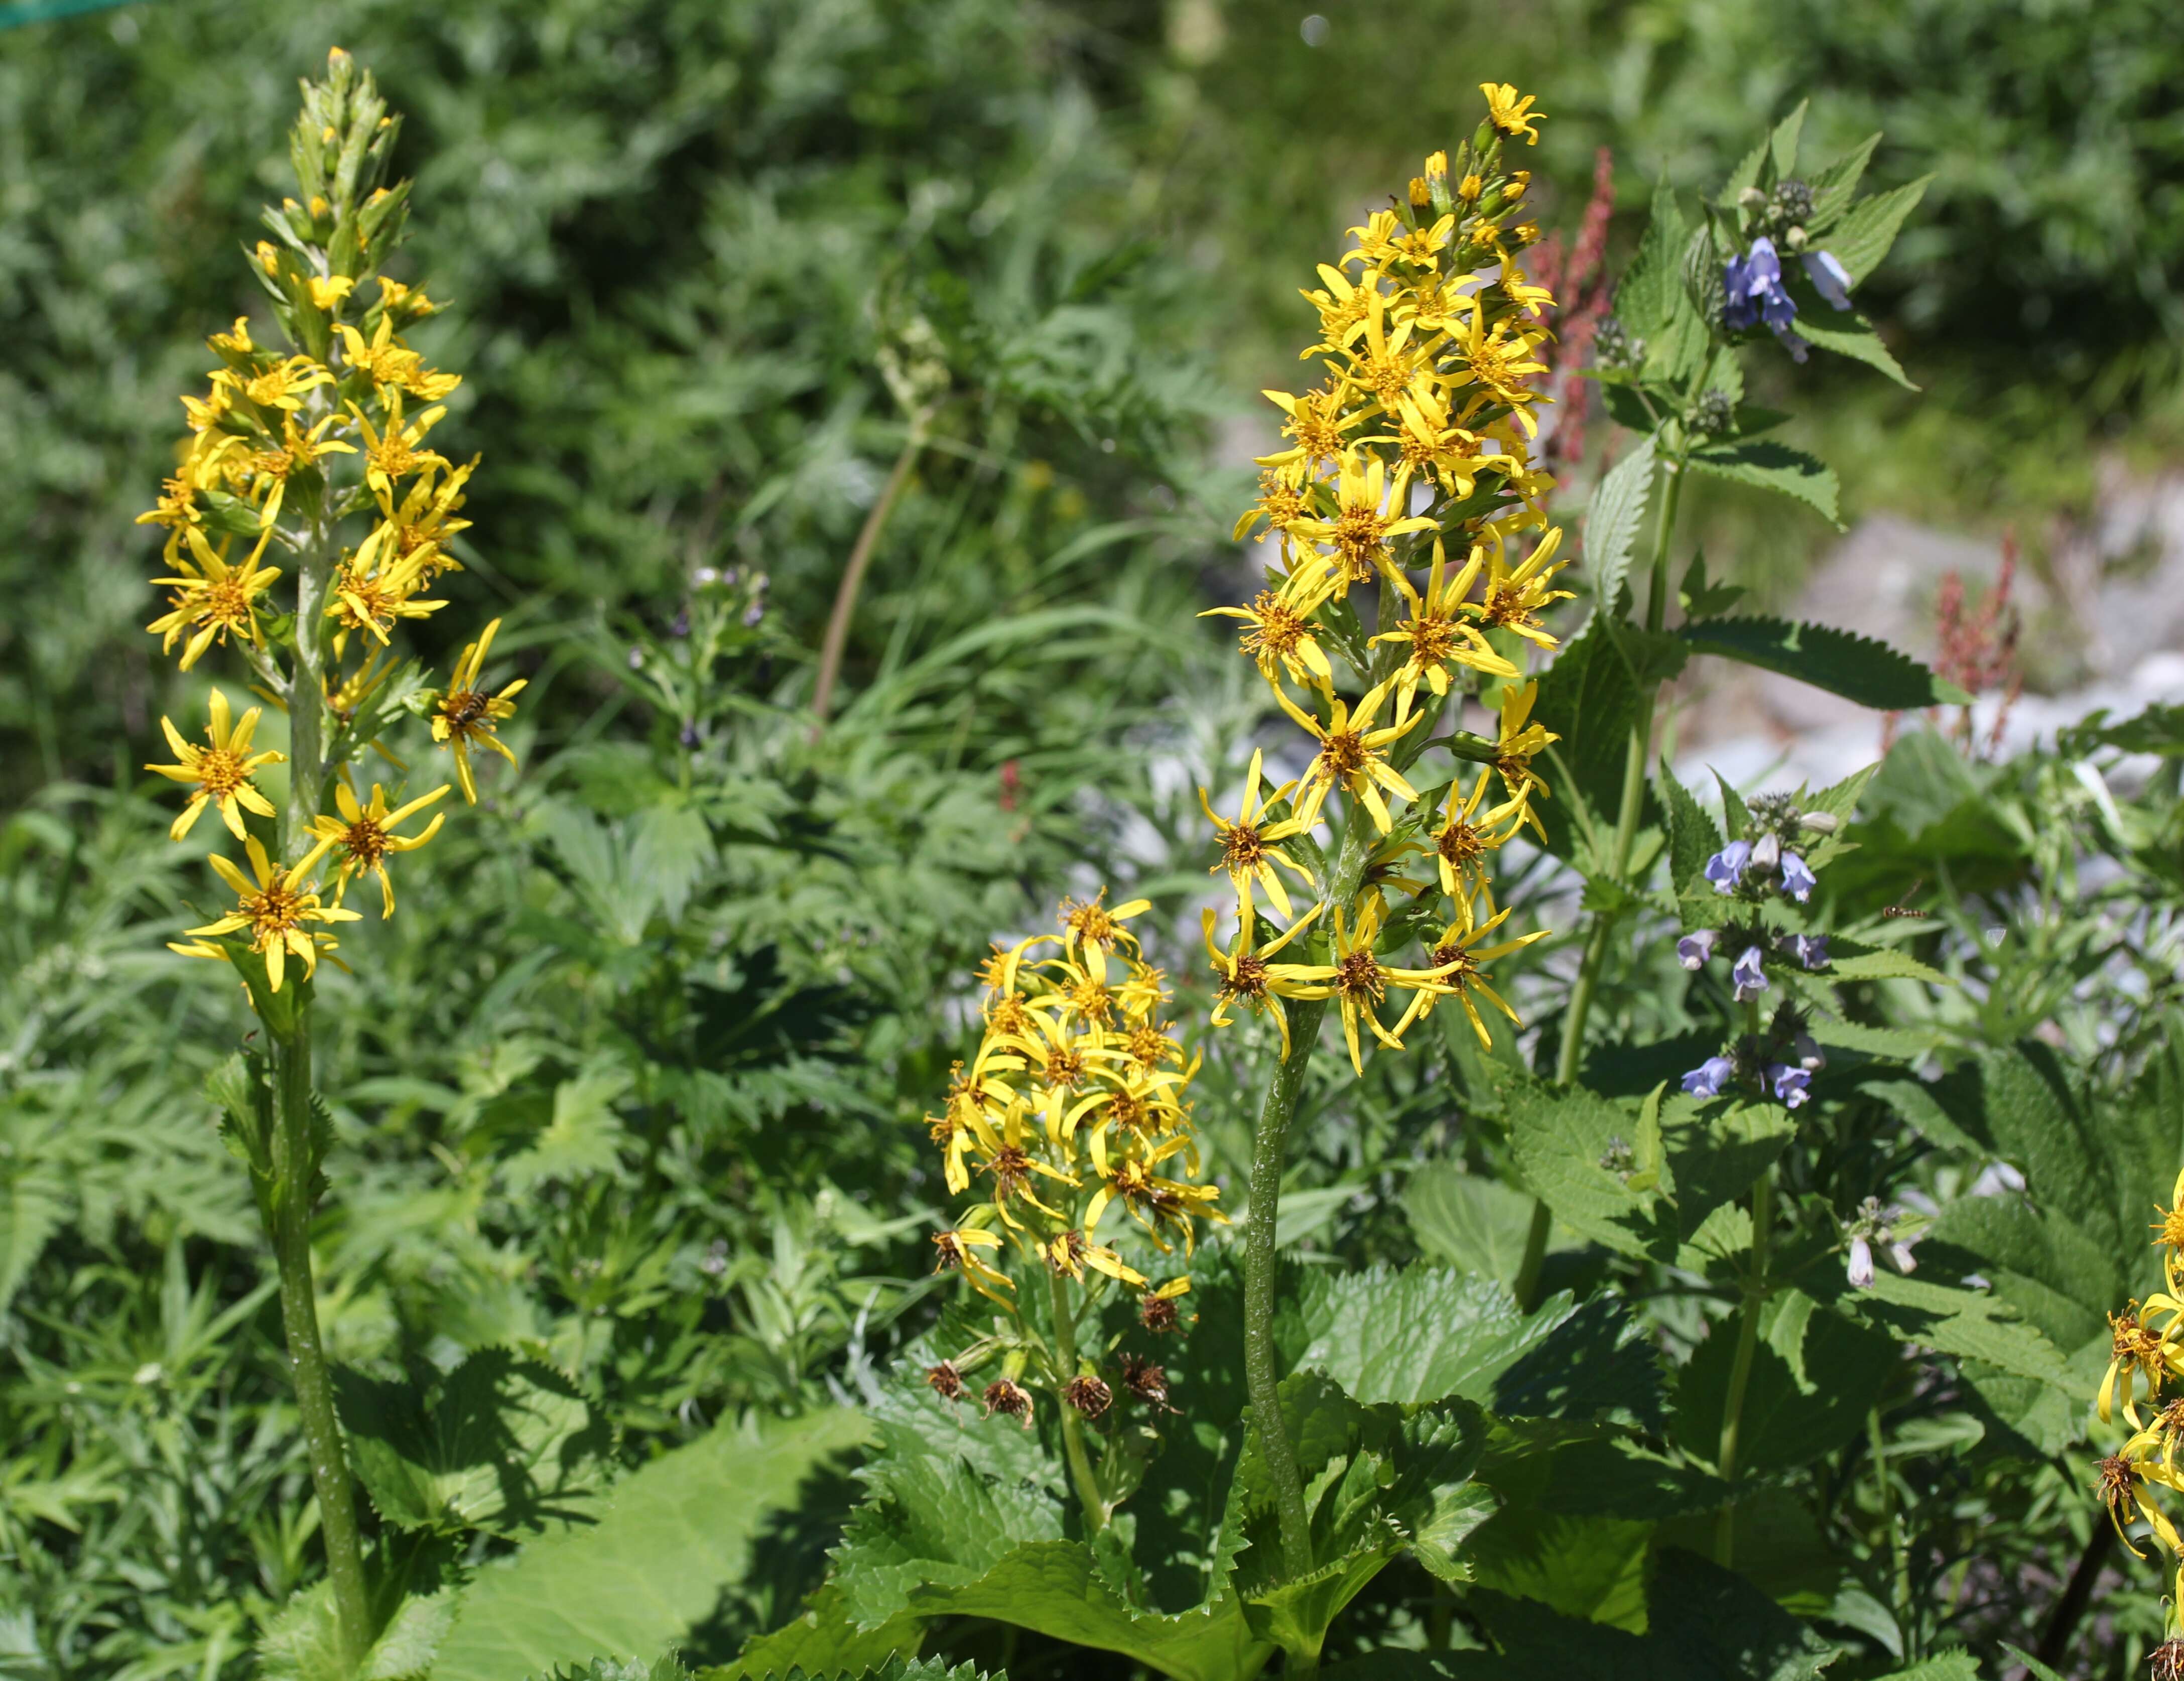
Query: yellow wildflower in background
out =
(465, 716)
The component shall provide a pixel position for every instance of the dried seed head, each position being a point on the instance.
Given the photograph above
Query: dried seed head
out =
(946, 1381)
(1010, 1398)
(1159, 1314)
(1146, 1381)
(2166, 1660)
(1089, 1395)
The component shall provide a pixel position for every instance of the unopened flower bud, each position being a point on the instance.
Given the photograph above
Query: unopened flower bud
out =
(1766, 852)
(1819, 822)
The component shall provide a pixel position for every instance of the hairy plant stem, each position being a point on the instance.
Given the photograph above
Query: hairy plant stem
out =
(289, 1226)
(1081, 1477)
(1899, 1553)
(853, 576)
(1261, 1375)
(1757, 1289)
(1600, 935)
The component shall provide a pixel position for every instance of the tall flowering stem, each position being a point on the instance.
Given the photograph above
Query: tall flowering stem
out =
(1407, 490)
(313, 459)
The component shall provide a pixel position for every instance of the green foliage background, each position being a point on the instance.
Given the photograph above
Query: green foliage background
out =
(633, 1083)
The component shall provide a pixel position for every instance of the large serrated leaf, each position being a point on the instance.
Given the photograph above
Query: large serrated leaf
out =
(1841, 662)
(1590, 697)
(1813, 1376)
(1611, 520)
(1473, 1222)
(679, 1531)
(822, 1639)
(1774, 466)
(1862, 238)
(1693, 835)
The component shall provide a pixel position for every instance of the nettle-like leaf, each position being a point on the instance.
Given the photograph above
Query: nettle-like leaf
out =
(677, 1532)
(1857, 342)
(1423, 1334)
(1611, 521)
(1862, 238)
(502, 1444)
(1652, 288)
(1774, 466)
(1473, 1222)
(1841, 662)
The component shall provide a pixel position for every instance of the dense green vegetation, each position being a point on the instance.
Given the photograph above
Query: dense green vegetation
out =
(627, 1104)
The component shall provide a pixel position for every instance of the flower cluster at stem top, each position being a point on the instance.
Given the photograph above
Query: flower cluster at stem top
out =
(1411, 455)
(1753, 294)
(285, 448)
(1075, 1101)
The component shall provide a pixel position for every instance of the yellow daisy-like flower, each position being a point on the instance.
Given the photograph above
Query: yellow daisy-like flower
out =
(1091, 930)
(1499, 361)
(1357, 981)
(221, 770)
(1250, 849)
(2137, 1351)
(211, 598)
(372, 590)
(961, 1250)
(1439, 634)
(1159, 1204)
(1350, 756)
(1521, 741)
(297, 449)
(1516, 597)
(365, 836)
(467, 716)
(391, 364)
(1465, 837)
(277, 911)
(1512, 112)
(1249, 979)
(1455, 960)
(1317, 422)
(396, 454)
(1277, 634)
(1364, 526)
(328, 294)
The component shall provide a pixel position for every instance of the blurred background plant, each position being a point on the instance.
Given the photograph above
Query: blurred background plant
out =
(633, 1086)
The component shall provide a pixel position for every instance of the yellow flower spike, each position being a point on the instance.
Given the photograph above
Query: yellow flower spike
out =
(212, 599)
(276, 910)
(221, 770)
(1350, 756)
(365, 836)
(465, 716)
(1250, 849)
(1512, 112)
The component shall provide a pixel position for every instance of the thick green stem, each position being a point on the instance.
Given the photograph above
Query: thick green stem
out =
(1756, 1292)
(295, 1171)
(1262, 1375)
(1094, 1503)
